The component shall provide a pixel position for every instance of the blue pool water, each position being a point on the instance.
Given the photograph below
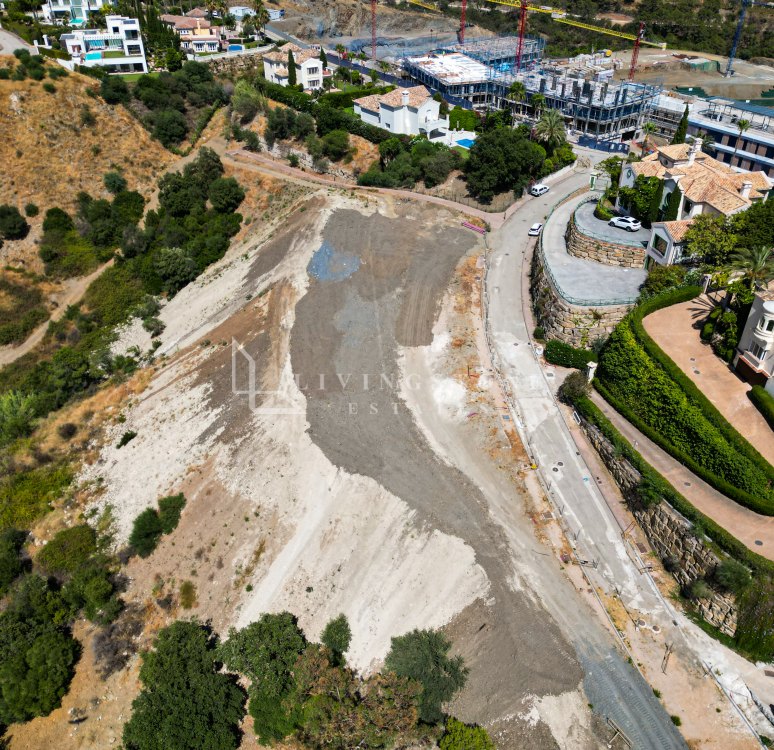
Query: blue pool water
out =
(235, 47)
(465, 142)
(93, 55)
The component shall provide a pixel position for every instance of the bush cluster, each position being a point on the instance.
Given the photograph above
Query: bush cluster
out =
(152, 524)
(24, 310)
(764, 403)
(656, 396)
(403, 166)
(564, 355)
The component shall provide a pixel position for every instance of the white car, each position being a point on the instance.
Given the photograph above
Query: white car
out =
(535, 230)
(629, 223)
(539, 189)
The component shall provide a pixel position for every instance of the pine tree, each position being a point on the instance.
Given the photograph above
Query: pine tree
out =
(323, 58)
(291, 69)
(672, 205)
(682, 128)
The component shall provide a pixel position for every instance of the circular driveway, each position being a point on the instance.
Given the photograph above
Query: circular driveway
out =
(601, 230)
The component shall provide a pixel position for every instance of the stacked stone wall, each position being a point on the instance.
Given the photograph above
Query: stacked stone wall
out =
(575, 325)
(671, 535)
(232, 67)
(610, 253)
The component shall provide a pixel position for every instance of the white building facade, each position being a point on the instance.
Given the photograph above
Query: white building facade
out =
(754, 359)
(310, 72)
(117, 49)
(70, 12)
(197, 35)
(403, 111)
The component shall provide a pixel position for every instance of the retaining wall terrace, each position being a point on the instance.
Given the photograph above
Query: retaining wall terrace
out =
(672, 536)
(610, 253)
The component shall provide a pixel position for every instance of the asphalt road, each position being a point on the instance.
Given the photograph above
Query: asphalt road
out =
(616, 690)
(9, 42)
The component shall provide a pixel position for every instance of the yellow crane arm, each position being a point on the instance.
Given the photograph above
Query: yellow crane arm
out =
(426, 6)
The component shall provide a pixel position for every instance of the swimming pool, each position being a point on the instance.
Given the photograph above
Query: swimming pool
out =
(93, 55)
(235, 47)
(465, 142)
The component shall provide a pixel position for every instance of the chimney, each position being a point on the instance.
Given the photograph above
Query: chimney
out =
(695, 148)
(746, 188)
(404, 97)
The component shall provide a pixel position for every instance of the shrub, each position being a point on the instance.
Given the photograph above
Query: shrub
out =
(11, 565)
(175, 267)
(12, 223)
(699, 590)
(31, 210)
(146, 532)
(67, 430)
(293, 160)
(17, 412)
(114, 90)
(706, 331)
(336, 637)
(170, 508)
(423, 655)
(539, 333)
(676, 720)
(115, 182)
(733, 576)
(57, 220)
(226, 194)
(575, 386)
(459, 736)
(169, 127)
(663, 278)
(126, 438)
(87, 116)
(564, 355)
(187, 595)
(68, 550)
(764, 403)
(336, 144)
(246, 101)
(755, 625)
(49, 88)
(603, 212)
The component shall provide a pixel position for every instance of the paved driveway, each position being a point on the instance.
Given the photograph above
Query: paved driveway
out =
(9, 42)
(590, 224)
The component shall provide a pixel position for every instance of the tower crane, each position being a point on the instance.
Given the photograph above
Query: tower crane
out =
(738, 35)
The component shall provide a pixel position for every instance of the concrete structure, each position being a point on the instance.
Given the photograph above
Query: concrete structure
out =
(706, 186)
(117, 49)
(406, 111)
(70, 12)
(581, 90)
(752, 150)
(196, 34)
(309, 69)
(668, 109)
(754, 359)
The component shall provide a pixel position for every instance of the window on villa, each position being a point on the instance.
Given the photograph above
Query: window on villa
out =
(757, 351)
(770, 326)
(660, 244)
(687, 206)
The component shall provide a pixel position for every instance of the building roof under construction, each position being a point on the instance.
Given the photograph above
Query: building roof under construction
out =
(452, 68)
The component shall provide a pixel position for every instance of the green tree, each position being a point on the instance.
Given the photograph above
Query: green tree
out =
(13, 226)
(146, 532)
(655, 202)
(389, 149)
(17, 412)
(185, 704)
(423, 655)
(291, 69)
(266, 652)
(169, 127)
(574, 386)
(246, 101)
(170, 509)
(648, 129)
(662, 278)
(742, 126)
(538, 101)
(459, 736)
(176, 268)
(226, 194)
(336, 144)
(115, 182)
(711, 239)
(11, 565)
(323, 57)
(639, 198)
(549, 129)
(57, 220)
(260, 15)
(756, 265)
(68, 550)
(682, 128)
(113, 90)
(517, 92)
(672, 207)
(337, 636)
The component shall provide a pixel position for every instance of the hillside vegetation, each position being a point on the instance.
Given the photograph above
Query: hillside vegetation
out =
(56, 144)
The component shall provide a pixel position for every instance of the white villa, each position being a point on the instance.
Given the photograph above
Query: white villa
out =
(70, 12)
(118, 48)
(196, 34)
(309, 69)
(404, 111)
(706, 186)
(754, 359)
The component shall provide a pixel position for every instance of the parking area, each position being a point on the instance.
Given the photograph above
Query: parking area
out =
(594, 227)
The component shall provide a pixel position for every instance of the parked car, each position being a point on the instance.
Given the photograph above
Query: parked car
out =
(538, 189)
(535, 230)
(629, 223)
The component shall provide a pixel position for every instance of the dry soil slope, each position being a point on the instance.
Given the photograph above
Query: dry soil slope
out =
(48, 155)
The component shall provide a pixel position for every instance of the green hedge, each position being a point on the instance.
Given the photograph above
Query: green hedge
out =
(559, 353)
(344, 99)
(764, 403)
(644, 385)
(724, 540)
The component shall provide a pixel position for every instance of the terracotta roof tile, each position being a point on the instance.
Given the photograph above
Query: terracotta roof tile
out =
(299, 55)
(677, 229)
(417, 95)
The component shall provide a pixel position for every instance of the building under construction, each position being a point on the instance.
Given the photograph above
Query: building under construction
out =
(481, 73)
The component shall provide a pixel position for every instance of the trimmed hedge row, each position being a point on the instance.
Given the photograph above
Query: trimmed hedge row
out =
(344, 99)
(725, 541)
(764, 403)
(681, 409)
(559, 353)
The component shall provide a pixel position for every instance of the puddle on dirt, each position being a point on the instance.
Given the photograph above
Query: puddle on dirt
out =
(328, 264)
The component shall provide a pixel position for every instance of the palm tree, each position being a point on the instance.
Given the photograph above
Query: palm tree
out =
(517, 92)
(756, 265)
(550, 128)
(741, 126)
(261, 15)
(707, 141)
(340, 50)
(538, 101)
(647, 130)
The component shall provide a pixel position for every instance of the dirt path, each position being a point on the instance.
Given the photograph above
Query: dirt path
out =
(750, 528)
(72, 291)
(673, 330)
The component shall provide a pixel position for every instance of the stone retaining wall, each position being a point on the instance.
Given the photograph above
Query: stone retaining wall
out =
(610, 253)
(573, 324)
(232, 67)
(671, 535)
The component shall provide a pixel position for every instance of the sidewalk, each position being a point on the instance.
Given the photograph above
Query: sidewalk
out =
(748, 527)
(672, 329)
